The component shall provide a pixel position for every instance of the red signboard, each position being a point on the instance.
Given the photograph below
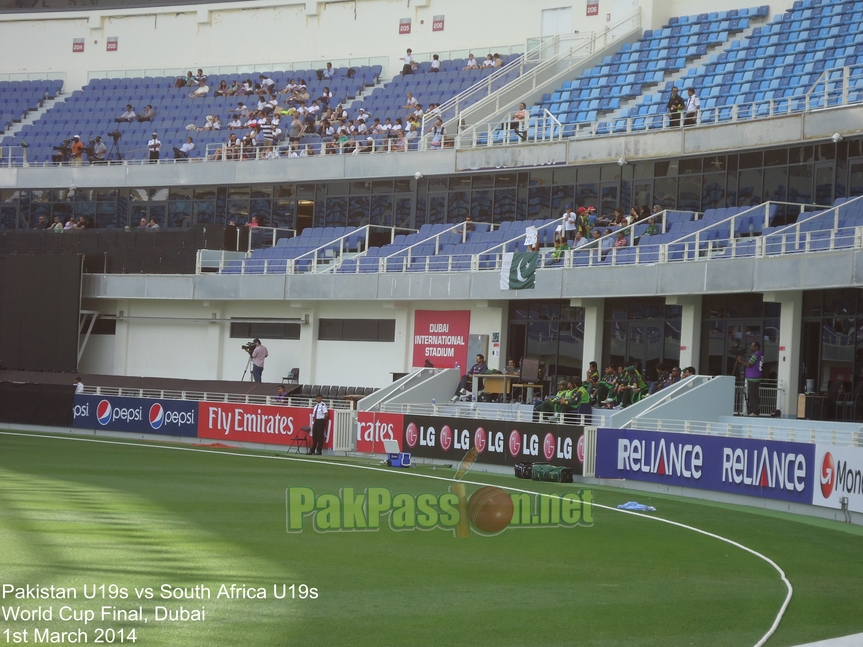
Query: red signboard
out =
(593, 9)
(111, 45)
(77, 45)
(253, 423)
(405, 26)
(437, 23)
(374, 428)
(440, 337)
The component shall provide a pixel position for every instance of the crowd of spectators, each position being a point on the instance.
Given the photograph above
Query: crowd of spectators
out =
(584, 229)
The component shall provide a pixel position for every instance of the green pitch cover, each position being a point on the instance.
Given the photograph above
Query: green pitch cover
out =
(518, 271)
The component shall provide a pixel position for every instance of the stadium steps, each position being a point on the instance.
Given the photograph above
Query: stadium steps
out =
(34, 116)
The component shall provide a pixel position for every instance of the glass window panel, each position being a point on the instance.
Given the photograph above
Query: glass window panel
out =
(751, 160)
(205, 210)
(239, 191)
(384, 186)
(609, 199)
(180, 213)
(665, 192)
(358, 211)
(689, 193)
(205, 193)
(459, 183)
(690, 165)
(588, 195)
(336, 212)
(481, 206)
(437, 210)
(283, 191)
(9, 217)
(403, 212)
(437, 184)
(776, 181)
(283, 213)
(800, 154)
(402, 186)
(715, 163)
(749, 188)
(800, 184)
(541, 177)
(262, 209)
(504, 204)
(505, 180)
(569, 349)
(483, 181)
(459, 206)
(138, 195)
(539, 202)
(382, 210)
(180, 193)
(361, 188)
(262, 190)
(778, 157)
(560, 197)
(671, 351)
(713, 191)
(609, 173)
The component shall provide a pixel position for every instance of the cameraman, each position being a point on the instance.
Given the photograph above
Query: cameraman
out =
(98, 150)
(259, 353)
(77, 151)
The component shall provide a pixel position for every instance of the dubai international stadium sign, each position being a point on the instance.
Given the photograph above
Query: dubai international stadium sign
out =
(440, 337)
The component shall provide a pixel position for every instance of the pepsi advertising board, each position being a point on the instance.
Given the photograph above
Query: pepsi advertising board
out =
(840, 474)
(760, 468)
(136, 415)
(498, 442)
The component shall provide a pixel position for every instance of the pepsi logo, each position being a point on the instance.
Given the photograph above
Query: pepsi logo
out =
(828, 475)
(157, 416)
(103, 412)
(480, 440)
(445, 438)
(514, 443)
(579, 450)
(548, 446)
(412, 435)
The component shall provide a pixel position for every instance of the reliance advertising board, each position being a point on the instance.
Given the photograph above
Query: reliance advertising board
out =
(498, 442)
(760, 468)
(136, 415)
(840, 474)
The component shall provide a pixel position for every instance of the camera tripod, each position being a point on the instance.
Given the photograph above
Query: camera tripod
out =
(248, 371)
(115, 153)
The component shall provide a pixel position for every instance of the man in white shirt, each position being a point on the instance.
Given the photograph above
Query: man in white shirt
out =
(408, 62)
(471, 63)
(79, 385)
(128, 115)
(329, 72)
(570, 219)
(154, 146)
(693, 105)
(185, 149)
(319, 425)
(266, 83)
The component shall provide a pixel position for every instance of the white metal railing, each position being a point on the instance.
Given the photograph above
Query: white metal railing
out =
(212, 396)
(764, 429)
(13, 156)
(836, 87)
(246, 69)
(546, 70)
(450, 54)
(768, 391)
(33, 76)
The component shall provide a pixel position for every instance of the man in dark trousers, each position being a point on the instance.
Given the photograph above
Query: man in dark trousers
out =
(477, 369)
(319, 425)
(754, 364)
(676, 106)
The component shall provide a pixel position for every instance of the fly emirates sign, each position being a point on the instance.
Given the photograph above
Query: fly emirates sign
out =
(760, 468)
(255, 423)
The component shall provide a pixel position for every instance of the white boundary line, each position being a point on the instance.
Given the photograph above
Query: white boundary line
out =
(204, 450)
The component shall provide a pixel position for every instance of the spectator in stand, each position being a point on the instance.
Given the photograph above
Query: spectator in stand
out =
(154, 146)
(438, 134)
(498, 61)
(579, 241)
(411, 102)
(401, 144)
(407, 62)
(569, 222)
(184, 150)
(645, 212)
(652, 227)
(267, 84)
(254, 222)
(222, 90)
(281, 396)
(147, 114)
(488, 63)
(397, 126)
(326, 97)
(466, 380)
(142, 225)
(153, 226)
(620, 241)
(79, 385)
(519, 120)
(295, 131)
(607, 241)
(99, 151)
(185, 81)
(471, 63)
(200, 79)
(77, 149)
(200, 92)
(435, 64)
(128, 116)
(676, 105)
(233, 89)
(688, 372)
(693, 105)
(241, 110)
(328, 72)
(42, 223)
(57, 225)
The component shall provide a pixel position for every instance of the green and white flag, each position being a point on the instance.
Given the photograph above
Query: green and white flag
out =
(519, 271)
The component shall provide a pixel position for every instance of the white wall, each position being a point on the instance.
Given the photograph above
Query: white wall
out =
(153, 340)
(226, 35)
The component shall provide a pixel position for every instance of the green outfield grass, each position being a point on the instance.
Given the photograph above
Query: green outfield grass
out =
(76, 514)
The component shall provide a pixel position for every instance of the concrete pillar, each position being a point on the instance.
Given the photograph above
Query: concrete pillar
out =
(790, 337)
(594, 326)
(690, 328)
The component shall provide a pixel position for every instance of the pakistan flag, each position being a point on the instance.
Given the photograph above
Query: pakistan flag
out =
(519, 271)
